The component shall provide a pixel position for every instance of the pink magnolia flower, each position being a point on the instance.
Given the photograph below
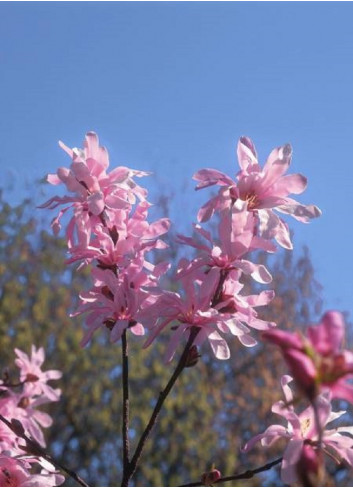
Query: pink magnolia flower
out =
(198, 309)
(123, 241)
(97, 194)
(303, 435)
(15, 473)
(263, 190)
(241, 308)
(317, 362)
(24, 409)
(192, 311)
(118, 302)
(236, 238)
(32, 375)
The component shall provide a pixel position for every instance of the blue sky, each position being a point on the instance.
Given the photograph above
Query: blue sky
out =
(170, 87)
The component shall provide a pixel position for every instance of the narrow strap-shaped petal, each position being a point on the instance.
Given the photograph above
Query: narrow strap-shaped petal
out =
(246, 153)
(290, 184)
(291, 457)
(219, 346)
(277, 164)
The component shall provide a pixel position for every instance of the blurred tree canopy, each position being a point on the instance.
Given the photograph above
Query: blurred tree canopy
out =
(215, 407)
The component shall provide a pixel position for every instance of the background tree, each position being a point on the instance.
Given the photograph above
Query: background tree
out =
(215, 407)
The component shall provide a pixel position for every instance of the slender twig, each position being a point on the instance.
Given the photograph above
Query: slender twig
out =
(244, 475)
(159, 404)
(320, 474)
(126, 444)
(218, 292)
(163, 395)
(317, 423)
(34, 448)
(13, 386)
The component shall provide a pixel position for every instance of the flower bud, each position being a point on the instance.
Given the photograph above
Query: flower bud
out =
(193, 357)
(208, 478)
(17, 427)
(24, 402)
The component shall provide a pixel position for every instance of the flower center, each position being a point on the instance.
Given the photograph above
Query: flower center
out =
(252, 200)
(304, 426)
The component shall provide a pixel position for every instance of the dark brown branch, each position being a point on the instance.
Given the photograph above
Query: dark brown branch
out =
(218, 292)
(244, 475)
(162, 397)
(126, 444)
(13, 386)
(34, 448)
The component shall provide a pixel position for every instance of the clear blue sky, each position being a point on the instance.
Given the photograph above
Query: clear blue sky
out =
(170, 87)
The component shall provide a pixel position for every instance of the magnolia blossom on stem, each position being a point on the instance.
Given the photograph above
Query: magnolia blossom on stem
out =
(19, 406)
(302, 455)
(195, 309)
(241, 308)
(317, 361)
(263, 190)
(35, 380)
(16, 473)
(236, 238)
(96, 193)
(127, 237)
(118, 302)
(24, 409)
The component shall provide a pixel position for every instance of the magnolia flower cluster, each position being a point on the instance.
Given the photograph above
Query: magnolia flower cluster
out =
(213, 303)
(302, 458)
(321, 370)
(20, 401)
(109, 230)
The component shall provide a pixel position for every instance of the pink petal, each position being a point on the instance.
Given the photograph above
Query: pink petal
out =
(246, 153)
(302, 213)
(116, 202)
(260, 243)
(119, 174)
(273, 432)
(287, 391)
(219, 346)
(261, 324)
(327, 337)
(54, 179)
(341, 390)
(97, 156)
(282, 235)
(96, 203)
(118, 329)
(66, 149)
(203, 232)
(207, 210)
(302, 369)
(236, 327)
(247, 340)
(284, 339)
(277, 164)
(138, 329)
(290, 184)
(157, 228)
(209, 177)
(291, 457)
(208, 288)
(262, 299)
(173, 343)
